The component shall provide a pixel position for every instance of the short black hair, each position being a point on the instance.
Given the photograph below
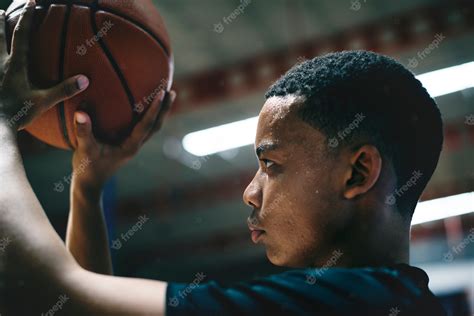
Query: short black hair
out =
(356, 97)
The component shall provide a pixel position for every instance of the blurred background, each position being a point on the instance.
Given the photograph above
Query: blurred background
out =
(224, 60)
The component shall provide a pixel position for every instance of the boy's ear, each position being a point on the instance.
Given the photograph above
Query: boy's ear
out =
(365, 168)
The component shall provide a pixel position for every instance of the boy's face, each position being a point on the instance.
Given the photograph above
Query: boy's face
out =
(295, 193)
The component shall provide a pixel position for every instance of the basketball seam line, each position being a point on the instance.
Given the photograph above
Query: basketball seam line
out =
(116, 67)
(97, 7)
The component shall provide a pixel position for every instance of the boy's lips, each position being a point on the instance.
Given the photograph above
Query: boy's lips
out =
(255, 234)
(255, 231)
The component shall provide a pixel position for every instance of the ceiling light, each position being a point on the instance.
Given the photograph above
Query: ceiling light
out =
(242, 133)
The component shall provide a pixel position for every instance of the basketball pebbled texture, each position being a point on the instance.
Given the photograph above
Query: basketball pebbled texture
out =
(122, 46)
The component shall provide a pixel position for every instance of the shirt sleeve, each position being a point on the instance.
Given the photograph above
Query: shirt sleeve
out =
(306, 292)
(291, 293)
(266, 296)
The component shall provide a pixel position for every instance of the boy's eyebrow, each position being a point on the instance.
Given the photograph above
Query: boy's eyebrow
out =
(265, 147)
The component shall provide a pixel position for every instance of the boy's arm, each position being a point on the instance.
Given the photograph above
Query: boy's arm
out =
(93, 164)
(86, 234)
(36, 269)
(35, 266)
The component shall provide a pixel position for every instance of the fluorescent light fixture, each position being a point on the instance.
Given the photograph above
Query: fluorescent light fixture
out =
(445, 207)
(221, 138)
(448, 80)
(242, 133)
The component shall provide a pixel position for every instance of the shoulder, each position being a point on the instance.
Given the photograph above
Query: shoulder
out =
(329, 291)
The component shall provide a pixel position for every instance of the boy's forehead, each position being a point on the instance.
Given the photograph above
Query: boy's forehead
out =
(277, 107)
(279, 123)
(278, 116)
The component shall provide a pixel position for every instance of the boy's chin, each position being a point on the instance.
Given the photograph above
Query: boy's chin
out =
(283, 260)
(279, 260)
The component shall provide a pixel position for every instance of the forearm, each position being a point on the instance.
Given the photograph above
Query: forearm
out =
(86, 236)
(35, 256)
(35, 266)
(36, 270)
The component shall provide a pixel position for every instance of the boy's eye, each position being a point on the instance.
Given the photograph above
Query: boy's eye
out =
(267, 163)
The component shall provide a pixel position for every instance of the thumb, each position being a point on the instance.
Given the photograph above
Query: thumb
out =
(83, 129)
(66, 89)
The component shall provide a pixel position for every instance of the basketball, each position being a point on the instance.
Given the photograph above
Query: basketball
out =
(121, 46)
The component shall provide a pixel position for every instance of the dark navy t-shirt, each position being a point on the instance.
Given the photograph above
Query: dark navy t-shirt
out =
(390, 291)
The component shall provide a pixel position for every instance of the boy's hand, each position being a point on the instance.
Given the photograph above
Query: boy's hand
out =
(94, 162)
(21, 102)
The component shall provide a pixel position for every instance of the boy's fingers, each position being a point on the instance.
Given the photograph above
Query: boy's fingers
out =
(83, 128)
(164, 110)
(65, 90)
(21, 35)
(144, 126)
(3, 38)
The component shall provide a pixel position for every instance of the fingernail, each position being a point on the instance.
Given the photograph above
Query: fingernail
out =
(81, 118)
(82, 82)
(173, 96)
(31, 3)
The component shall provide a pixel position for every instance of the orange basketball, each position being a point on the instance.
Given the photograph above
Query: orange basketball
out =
(121, 46)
